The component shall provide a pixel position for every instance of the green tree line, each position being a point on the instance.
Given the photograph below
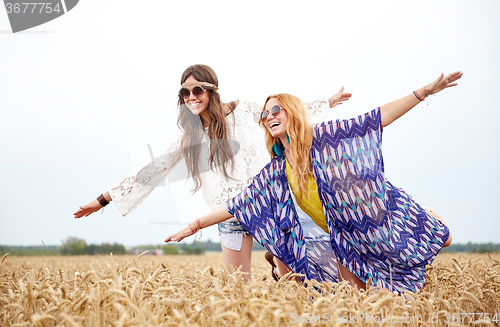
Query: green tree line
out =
(77, 246)
(472, 248)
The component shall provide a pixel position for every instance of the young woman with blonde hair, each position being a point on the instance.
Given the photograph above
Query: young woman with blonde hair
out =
(334, 173)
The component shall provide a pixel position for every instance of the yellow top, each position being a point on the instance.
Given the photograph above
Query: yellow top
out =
(311, 205)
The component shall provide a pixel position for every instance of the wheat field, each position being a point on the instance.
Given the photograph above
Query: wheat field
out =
(461, 289)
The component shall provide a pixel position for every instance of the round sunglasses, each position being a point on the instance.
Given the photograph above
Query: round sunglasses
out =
(186, 93)
(275, 111)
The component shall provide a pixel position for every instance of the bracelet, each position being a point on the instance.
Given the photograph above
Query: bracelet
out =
(425, 91)
(102, 200)
(195, 232)
(416, 95)
(199, 224)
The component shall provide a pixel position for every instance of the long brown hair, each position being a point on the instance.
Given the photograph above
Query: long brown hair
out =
(220, 150)
(301, 137)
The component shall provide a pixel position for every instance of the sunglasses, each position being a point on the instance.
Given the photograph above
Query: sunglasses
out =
(275, 111)
(186, 93)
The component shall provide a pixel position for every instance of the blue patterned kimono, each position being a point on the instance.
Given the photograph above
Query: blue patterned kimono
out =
(375, 229)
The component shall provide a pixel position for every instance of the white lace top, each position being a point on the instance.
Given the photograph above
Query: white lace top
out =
(243, 130)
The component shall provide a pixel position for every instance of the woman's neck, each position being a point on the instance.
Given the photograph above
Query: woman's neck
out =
(288, 154)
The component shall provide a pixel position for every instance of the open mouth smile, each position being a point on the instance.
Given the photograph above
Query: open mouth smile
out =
(195, 104)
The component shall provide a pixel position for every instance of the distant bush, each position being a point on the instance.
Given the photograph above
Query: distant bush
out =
(190, 249)
(170, 249)
(105, 248)
(73, 246)
(77, 246)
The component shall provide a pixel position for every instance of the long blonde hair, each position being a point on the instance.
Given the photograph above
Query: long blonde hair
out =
(301, 137)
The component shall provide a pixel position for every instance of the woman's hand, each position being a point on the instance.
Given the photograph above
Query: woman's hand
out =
(179, 236)
(88, 209)
(92, 206)
(395, 109)
(443, 82)
(338, 98)
(215, 216)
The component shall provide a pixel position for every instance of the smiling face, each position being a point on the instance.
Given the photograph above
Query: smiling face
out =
(196, 104)
(276, 125)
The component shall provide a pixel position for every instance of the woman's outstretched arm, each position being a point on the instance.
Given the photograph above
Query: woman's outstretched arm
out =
(91, 207)
(130, 192)
(395, 109)
(216, 216)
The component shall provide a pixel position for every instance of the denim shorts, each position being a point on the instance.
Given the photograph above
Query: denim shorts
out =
(231, 227)
(231, 234)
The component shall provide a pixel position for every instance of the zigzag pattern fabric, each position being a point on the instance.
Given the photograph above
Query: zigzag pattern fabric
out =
(376, 230)
(319, 249)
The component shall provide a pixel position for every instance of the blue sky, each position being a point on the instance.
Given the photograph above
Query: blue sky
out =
(83, 95)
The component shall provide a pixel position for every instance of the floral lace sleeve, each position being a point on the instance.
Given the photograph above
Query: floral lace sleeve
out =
(130, 192)
(252, 108)
(318, 110)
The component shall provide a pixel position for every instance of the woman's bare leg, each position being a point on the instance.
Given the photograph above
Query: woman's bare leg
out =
(435, 215)
(235, 259)
(282, 269)
(345, 274)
